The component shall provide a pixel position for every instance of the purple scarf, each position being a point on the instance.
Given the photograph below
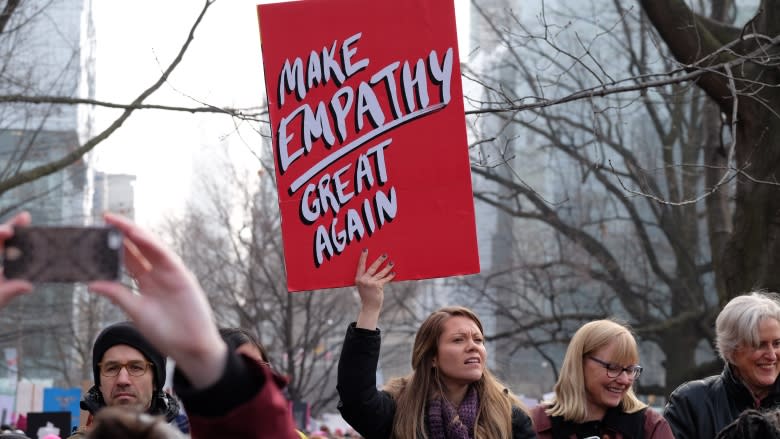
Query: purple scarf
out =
(447, 423)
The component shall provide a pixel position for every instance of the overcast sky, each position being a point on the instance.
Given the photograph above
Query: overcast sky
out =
(135, 42)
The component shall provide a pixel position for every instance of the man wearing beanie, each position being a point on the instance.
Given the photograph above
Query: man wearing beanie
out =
(227, 395)
(128, 371)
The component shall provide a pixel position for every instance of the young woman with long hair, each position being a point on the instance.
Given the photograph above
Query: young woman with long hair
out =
(450, 393)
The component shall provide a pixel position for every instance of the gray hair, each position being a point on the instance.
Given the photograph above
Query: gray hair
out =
(737, 323)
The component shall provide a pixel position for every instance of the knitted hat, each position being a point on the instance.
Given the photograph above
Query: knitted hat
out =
(127, 334)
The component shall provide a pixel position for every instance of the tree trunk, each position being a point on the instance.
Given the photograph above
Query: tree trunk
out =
(752, 252)
(680, 350)
(752, 255)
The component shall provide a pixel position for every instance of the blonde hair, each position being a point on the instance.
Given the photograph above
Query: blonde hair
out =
(570, 400)
(494, 417)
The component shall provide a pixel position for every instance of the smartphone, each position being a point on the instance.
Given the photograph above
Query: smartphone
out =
(63, 254)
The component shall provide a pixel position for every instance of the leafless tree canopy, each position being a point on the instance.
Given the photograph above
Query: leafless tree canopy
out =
(631, 149)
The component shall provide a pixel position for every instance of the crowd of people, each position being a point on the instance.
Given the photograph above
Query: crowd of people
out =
(225, 387)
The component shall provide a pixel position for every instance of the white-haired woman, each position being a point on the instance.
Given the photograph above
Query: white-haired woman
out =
(594, 395)
(748, 340)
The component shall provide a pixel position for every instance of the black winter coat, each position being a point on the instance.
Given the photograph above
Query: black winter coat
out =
(702, 408)
(370, 411)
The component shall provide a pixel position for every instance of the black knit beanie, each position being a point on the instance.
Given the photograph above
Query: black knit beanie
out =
(126, 333)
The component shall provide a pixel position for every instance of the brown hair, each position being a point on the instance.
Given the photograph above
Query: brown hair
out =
(236, 337)
(494, 417)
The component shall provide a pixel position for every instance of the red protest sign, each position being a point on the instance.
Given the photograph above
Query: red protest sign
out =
(369, 138)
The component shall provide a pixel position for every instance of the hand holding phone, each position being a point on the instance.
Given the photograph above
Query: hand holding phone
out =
(63, 254)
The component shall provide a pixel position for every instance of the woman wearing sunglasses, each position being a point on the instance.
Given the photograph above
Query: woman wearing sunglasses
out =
(594, 395)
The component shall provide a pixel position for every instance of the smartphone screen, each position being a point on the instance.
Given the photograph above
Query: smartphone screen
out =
(63, 254)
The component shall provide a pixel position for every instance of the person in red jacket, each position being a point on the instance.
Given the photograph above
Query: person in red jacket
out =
(226, 394)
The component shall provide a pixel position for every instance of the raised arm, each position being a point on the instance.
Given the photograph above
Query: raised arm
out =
(225, 395)
(369, 411)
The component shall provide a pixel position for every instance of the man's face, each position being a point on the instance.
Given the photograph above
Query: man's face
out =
(124, 388)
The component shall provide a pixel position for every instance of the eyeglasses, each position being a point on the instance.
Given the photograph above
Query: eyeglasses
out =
(614, 370)
(134, 368)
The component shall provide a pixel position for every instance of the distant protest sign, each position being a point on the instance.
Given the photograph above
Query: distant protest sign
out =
(369, 138)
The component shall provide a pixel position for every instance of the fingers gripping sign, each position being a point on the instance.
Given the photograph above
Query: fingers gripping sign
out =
(370, 284)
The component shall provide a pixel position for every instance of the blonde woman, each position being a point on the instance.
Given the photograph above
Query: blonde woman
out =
(450, 393)
(594, 395)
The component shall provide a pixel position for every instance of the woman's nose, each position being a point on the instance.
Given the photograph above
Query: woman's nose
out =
(625, 377)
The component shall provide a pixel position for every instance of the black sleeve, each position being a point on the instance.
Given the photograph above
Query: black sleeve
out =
(678, 413)
(237, 385)
(369, 411)
(522, 427)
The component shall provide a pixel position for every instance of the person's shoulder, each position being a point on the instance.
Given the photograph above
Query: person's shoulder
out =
(697, 388)
(535, 415)
(396, 386)
(653, 416)
(539, 418)
(536, 410)
(78, 434)
(518, 413)
(656, 425)
(522, 424)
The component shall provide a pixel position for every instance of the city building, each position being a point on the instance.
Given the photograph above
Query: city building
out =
(47, 336)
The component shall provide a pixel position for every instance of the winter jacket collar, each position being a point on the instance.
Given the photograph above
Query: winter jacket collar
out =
(628, 425)
(738, 392)
(162, 404)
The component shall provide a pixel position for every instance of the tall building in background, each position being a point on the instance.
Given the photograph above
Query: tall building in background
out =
(513, 153)
(51, 53)
(501, 237)
(114, 193)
